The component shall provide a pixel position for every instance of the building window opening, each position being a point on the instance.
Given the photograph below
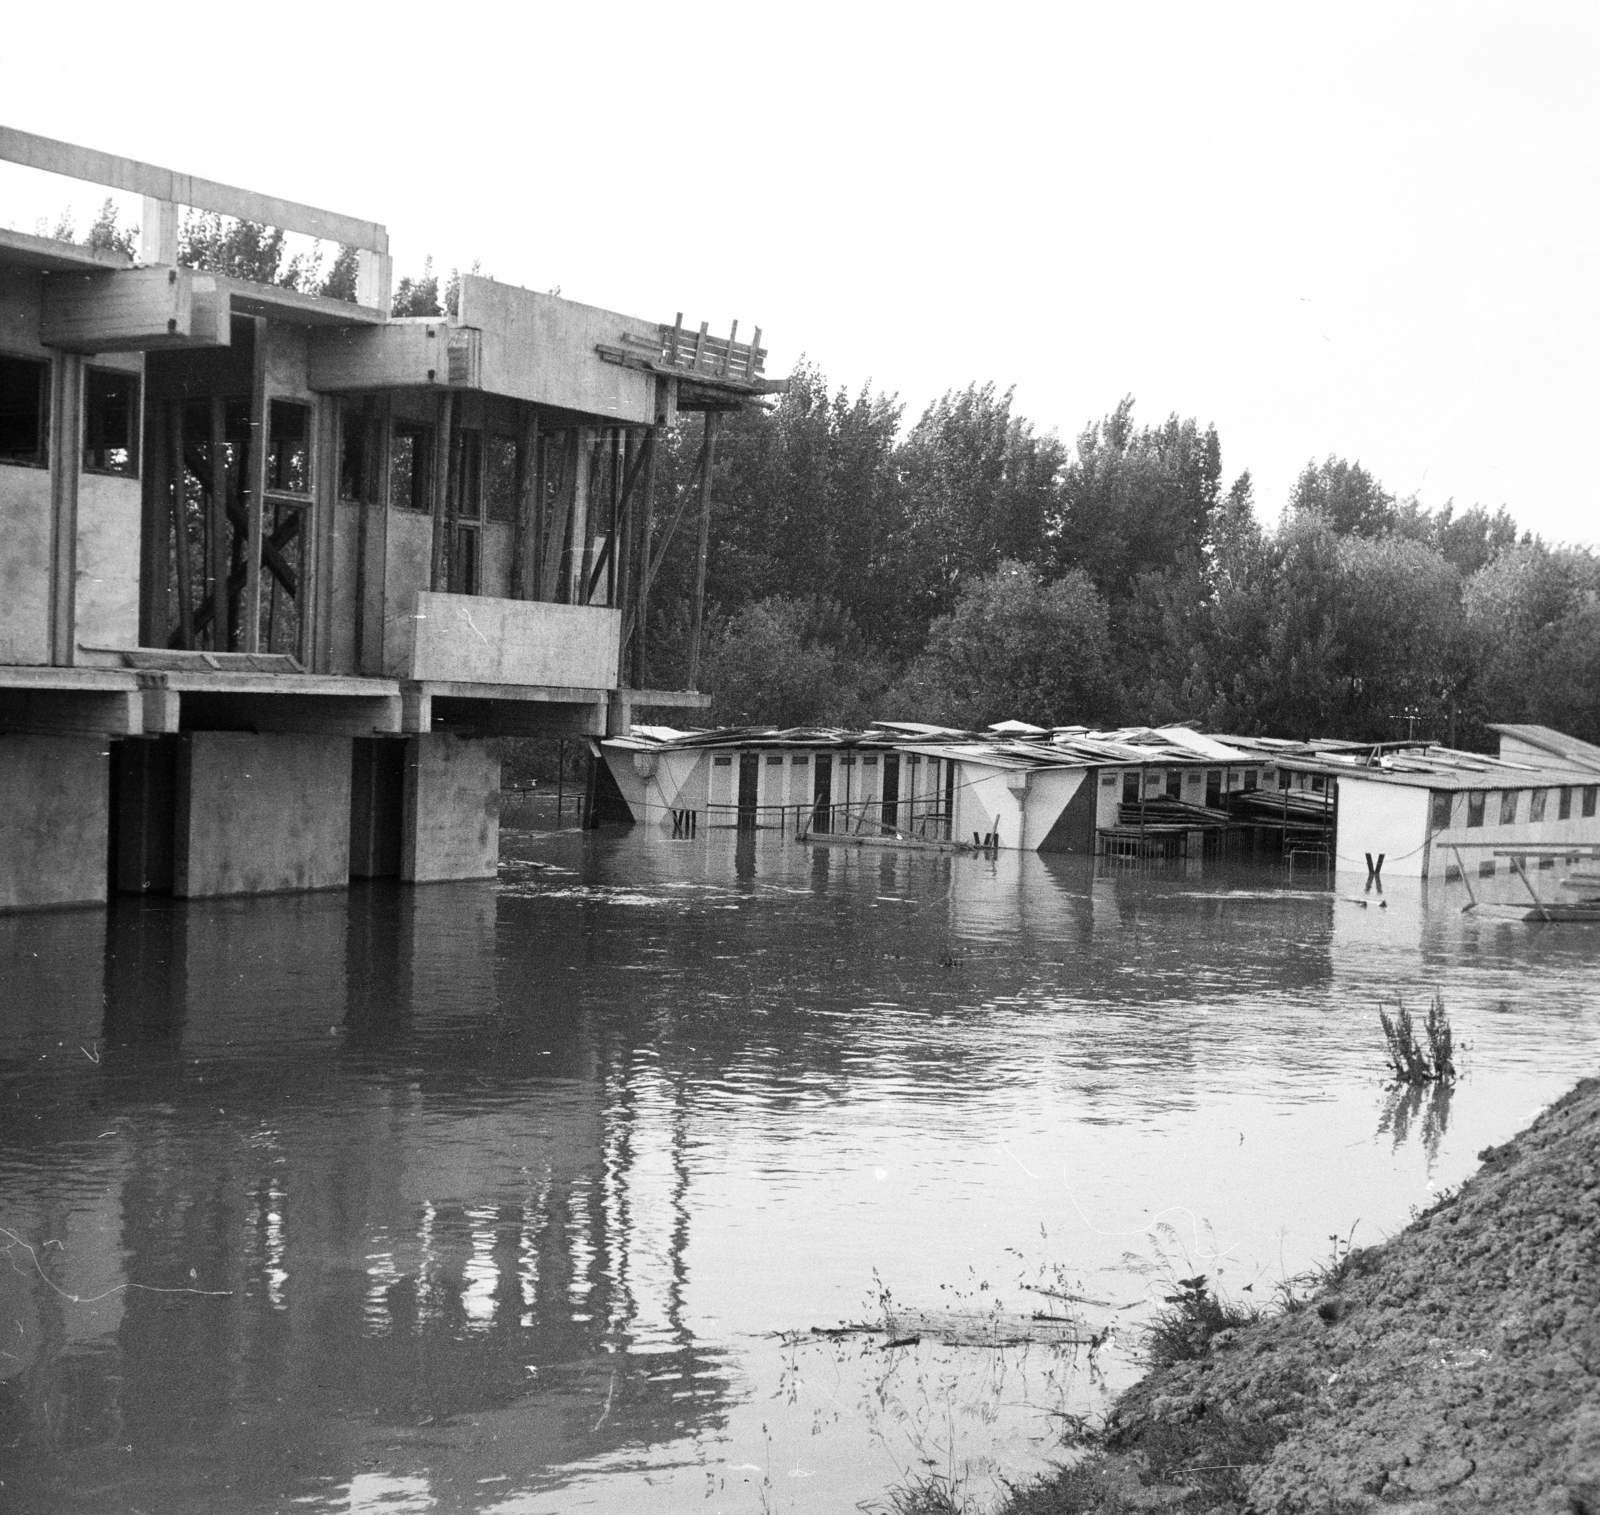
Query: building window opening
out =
(23, 409)
(289, 448)
(1508, 807)
(1130, 787)
(1213, 788)
(1441, 809)
(469, 478)
(110, 422)
(500, 479)
(282, 563)
(411, 467)
(1285, 778)
(356, 471)
(775, 760)
(1476, 799)
(1564, 803)
(1486, 870)
(1589, 792)
(1318, 782)
(1536, 803)
(464, 561)
(1175, 783)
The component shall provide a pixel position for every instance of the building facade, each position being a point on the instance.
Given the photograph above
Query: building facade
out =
(273, 565)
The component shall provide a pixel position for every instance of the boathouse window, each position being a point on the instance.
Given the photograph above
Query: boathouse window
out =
(1213, 787)
(23, 412)
(500, 479)
(913, 758)
(1130, 787)
(1442, 799)
(870, 760)
(800, 759)
(289, 448)
(1451, 873)
(1107, 781)
(1475, 804)
(722, 760)
(1589, 792)
(1174, 783)
(411, 466)
(1285, 778)
(1249, 779)
(355, 461)
(1508, 808)
(1536, 802)
(110, 421)
(469, 474)
(847, 760)
(1318, 782)
(1564, 803)
(1486, 870)
(774, 760)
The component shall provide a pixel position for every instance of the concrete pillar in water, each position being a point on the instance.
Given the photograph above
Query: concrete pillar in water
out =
(257, 814)
(451, 826)
(55, 825)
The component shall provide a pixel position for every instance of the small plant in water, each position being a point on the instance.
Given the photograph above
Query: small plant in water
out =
(1194, 1315)
(1412, 1064)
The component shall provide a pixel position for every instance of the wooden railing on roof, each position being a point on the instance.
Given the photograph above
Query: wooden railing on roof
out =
(701, 354)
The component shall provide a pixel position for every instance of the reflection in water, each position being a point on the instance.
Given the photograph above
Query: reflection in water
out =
(496, 1196)
(1424, 1105)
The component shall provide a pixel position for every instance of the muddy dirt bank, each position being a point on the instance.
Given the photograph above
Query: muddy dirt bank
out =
(1454, 1367)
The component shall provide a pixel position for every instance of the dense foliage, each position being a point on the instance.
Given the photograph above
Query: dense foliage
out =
(969, 568)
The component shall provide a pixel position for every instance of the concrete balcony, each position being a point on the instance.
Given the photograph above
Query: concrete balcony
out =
(473, 639)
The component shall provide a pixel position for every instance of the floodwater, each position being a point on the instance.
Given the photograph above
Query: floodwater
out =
(525, 1196)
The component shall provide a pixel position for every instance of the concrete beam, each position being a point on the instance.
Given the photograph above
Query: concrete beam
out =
(520, 717)
(134, 310)
(138, 178)
(332, 715)
(72, 712)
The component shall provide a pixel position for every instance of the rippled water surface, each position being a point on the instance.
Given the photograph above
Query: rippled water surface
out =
(526, 1196)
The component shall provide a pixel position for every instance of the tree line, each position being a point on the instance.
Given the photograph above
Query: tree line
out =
(970, 568)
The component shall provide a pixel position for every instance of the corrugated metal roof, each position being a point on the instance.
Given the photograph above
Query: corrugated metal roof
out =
(1014, 745)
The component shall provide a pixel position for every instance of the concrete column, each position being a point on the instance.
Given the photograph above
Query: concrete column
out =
(451, 827)
(55, 821)
(259, 814)
(147, 773)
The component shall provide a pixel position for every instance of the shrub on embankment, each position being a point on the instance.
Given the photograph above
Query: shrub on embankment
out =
(1454, 1367)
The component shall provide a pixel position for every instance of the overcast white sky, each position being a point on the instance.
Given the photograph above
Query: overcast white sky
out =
(1368, 230)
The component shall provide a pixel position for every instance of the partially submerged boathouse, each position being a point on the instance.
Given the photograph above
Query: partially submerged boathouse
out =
(1410, 809)
(275, 565)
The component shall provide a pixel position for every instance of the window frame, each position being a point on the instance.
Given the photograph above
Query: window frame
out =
(135, 423)
(421, 477)
(46, 374)
(1477, 806)
(275, 459)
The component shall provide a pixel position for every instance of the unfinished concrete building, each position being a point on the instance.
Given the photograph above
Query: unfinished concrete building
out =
(275, 566)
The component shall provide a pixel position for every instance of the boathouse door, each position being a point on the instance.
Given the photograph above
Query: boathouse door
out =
(749, 789)
(822, 794)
